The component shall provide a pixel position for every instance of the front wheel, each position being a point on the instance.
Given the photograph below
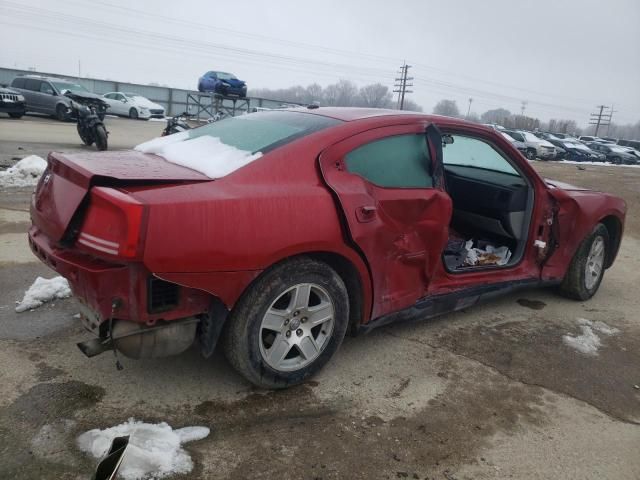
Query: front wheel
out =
(16, 114)
(585, 273)
(101, 137)
(61, 113)
(133, 113)
(288, 325)
(531, 154)
(86, 139)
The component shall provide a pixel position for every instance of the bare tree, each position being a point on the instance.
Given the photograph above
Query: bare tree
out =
(411, 106)
(341, 94)
(448, 108)
(375, 95)
(498, 115)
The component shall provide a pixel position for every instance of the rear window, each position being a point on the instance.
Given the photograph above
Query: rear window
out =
(264, 131)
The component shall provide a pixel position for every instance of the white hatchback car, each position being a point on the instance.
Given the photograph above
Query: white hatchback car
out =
(132, 105)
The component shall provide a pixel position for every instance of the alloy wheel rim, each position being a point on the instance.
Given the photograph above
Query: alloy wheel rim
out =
(595, 263)
(296, 327)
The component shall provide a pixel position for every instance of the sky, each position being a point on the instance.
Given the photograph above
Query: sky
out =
(563, 58)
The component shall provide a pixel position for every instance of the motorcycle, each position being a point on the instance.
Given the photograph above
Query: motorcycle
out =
(178, 123)
(89, 113)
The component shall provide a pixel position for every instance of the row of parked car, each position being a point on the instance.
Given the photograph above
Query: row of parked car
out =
(39, 94)
(562, 146)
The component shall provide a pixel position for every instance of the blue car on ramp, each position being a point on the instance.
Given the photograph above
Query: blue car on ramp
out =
(222, 83)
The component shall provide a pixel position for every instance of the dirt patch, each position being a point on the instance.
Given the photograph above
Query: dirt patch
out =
(310, 440)
(46, 372)
(532, 351)
(22, 424)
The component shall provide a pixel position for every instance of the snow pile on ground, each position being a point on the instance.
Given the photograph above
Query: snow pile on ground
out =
(588, 342)
(205, 154)
(44, 290)
(154, 449)
(601, 164)
(25, 173)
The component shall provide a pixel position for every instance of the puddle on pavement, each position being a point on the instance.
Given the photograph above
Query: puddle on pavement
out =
(532, 304)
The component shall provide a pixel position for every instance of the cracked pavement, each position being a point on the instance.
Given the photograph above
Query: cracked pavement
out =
(489, 392)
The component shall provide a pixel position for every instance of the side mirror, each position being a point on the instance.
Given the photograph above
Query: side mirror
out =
(124, 100)
(447, 139)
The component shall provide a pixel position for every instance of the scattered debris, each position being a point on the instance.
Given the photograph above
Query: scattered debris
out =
(25, 173)
(42, 291)
(588, 342)
(154, 450)
(461, 253)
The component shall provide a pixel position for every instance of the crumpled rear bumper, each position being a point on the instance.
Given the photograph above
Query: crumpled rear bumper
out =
(99, 285)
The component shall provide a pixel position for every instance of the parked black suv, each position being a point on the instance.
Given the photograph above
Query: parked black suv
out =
(45, 94)
(12, 102)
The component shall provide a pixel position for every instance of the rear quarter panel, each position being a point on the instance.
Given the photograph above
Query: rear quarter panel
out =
(220, 235)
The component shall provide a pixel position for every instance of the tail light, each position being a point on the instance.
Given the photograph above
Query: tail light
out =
(112, 224)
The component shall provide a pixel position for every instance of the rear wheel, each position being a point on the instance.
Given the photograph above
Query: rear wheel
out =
(585, 273)
(101, 137)
(288, 324)
(133, 113)
(616, 160)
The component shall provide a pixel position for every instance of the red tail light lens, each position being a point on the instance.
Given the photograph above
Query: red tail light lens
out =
(112, 224)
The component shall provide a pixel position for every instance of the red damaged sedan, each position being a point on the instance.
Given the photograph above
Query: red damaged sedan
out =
(275, 233)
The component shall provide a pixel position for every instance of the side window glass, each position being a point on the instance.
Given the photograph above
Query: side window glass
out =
(18, 83)
(31, 84)
(400, 161)
(46, 88)
(472, 152)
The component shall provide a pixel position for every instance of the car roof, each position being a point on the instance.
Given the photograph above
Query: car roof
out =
(349, 114)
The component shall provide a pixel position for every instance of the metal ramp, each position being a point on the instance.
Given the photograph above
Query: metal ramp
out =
(205, 106)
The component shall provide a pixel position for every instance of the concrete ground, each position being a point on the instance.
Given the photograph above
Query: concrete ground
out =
(487, 393)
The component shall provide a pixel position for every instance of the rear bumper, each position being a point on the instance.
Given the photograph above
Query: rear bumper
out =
(99, 284)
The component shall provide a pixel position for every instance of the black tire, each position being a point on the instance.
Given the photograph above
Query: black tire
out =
(61, 113)
(531, 154)
(88, 141)
(16, 114)
(574, 285)
(133, 113)
(242, 339)
(101, 137)
(616, 161)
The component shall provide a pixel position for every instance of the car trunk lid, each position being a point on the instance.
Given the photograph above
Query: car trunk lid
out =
(68, 178)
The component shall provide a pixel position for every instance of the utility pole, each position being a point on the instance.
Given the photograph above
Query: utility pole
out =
(401, 85)
(522, 107)
(600, 119)
(79, 71)
(610, 116)
(469, 109)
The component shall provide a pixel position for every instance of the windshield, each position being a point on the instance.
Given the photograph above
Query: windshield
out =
(508, 137)
(263, 131)
(618, 150)
(73, 87)
(226, 76)
(516, 135)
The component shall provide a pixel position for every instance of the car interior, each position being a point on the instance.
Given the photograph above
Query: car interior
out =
(492, 205)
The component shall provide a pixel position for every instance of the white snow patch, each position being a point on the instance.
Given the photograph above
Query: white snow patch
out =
(154, 449)
(588, 342)
(44, 290)
(25, 173)
(205, 154)
(598, 164)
